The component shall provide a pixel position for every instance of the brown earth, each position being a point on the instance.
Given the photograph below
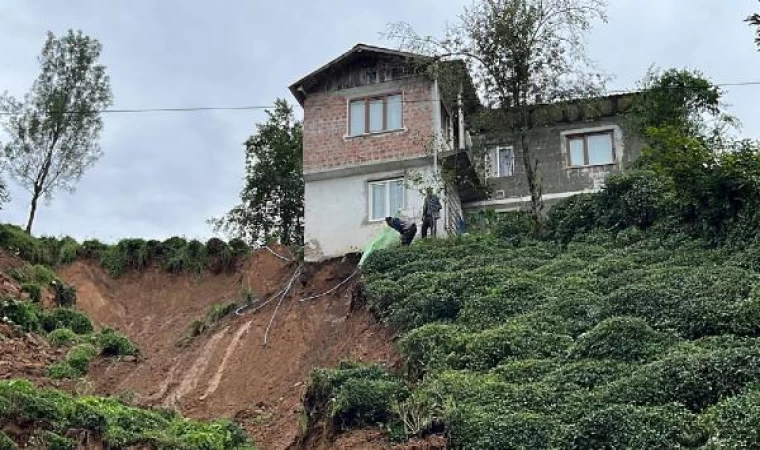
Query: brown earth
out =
(227, 371)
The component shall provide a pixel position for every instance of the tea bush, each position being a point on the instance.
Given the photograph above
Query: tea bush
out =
(34, 290)
(74, 320)
(6, 443)
(112, 343)
(54, 412)
(79, 357)
(62, 336)
(623, 313)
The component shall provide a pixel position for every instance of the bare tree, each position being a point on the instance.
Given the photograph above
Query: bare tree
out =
(54, 131)
(521, 53)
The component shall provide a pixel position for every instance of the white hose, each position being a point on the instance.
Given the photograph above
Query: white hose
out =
(314, 297)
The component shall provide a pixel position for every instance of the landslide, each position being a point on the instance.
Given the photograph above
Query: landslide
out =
(227, 371)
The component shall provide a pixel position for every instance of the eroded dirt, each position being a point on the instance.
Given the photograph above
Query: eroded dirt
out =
(227, 372)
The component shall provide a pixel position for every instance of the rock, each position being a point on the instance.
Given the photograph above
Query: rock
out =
(129, 359)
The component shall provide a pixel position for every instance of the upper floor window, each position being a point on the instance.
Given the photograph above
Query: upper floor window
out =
(374, 114)
(591, 149)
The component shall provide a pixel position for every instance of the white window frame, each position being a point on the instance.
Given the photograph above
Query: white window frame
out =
(494, 171)
(370, 203)
(618, 145)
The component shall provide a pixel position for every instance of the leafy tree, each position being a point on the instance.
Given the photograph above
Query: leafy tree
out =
(754, 20)
(521, 52)
(271, 205)
(683, 100)
(54, 130)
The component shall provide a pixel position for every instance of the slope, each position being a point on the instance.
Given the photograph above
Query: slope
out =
(227, 372)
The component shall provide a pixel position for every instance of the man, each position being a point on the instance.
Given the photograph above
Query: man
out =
(406, 229)
(431, 211)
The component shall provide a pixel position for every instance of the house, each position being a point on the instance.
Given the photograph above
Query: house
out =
(380, 127)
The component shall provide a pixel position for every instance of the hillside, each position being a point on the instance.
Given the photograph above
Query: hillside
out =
(613, 331)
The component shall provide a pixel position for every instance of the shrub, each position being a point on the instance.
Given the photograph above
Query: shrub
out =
(69, 251)
(6, 443)
(220, 255)
(92, 248)
(62, 336)
(115, 344)
(20, 243)
(79, 357)
(489, 348)
(112, 259)
(735, 422)
(62, 371)
(510, 298)
(365, 402)
(23, 314)
(471, 427)
(65, 296)
(66, 318)
(571, 216)
(631, 199)
(34, 290)
(621, 339)
(43, 275)
(526, 370)
(624, 426)
(430, 347)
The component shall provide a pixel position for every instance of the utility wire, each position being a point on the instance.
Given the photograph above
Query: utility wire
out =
(260, 107)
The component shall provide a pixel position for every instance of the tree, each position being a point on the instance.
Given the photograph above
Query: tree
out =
(521, 52)
(271, 205)
(684, 100)
(54, 131)
(754, 20)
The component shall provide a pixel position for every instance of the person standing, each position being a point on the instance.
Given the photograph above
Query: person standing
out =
(431, 212)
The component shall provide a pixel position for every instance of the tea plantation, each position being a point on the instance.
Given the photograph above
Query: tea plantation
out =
(592, 336)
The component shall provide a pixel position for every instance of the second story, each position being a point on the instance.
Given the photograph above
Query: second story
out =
(372, 105)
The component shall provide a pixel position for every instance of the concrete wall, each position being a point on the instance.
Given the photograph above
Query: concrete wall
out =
(337, 210)
(549, 145)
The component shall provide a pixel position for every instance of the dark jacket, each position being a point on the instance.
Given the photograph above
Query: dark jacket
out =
(432, 206)
(399, 225)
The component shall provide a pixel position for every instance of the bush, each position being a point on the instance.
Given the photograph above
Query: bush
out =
(92, 248)
(62, 336)
(65, 296)
(18, 242)
(489, 348)
(363, 402)
(624, 426)
(621, 339)
(66, 318)
(43, 275)
(632, 199)
(430, 347)
(735, 422)
(62, 371)
(112, 259)
(69, 251)
(6, 443)
(79, 357)
(34, 290)
(120, 425)
(23, 314)
(510, 298)
(115, 344)
(473, 428)
(571, 216)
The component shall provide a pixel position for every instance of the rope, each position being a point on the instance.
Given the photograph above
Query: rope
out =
(282, 297)
(277, 254)
(314, 297)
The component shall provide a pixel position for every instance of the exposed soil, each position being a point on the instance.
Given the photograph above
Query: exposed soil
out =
(227, 372)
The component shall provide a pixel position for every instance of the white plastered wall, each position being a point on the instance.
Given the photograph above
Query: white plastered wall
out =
(337, 211)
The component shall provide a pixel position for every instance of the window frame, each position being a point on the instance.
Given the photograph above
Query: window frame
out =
(367, 100)
(585, 135)
(498, 161)
(370, 203)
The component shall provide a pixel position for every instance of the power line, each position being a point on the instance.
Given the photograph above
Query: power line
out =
(260, 107)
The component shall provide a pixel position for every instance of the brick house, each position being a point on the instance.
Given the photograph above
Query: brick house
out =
(378, 130)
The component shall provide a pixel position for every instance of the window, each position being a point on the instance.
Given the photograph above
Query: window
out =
(501, 162)
(591, 149)
(386, 198)
(375, 115)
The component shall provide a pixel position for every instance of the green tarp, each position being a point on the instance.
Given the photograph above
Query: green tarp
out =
(386, 239)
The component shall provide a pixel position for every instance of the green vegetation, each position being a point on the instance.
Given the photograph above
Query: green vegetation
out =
(175, 255)
(62, 336)
(631, 323)
(53, 413)
(213, 315)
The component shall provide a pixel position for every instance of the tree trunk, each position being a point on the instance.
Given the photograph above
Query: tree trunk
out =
(32, 211)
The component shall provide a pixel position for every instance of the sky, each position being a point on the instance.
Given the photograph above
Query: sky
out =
(165, 174)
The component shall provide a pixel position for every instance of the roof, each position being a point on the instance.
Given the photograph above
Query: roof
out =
(298, 88)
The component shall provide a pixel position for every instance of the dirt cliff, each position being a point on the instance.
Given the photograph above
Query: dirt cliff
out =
(227, 371)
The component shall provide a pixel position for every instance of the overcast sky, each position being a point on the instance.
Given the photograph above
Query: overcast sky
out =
(164, 174)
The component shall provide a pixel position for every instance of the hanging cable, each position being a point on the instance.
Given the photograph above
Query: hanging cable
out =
(314, 297)
(279, 303)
